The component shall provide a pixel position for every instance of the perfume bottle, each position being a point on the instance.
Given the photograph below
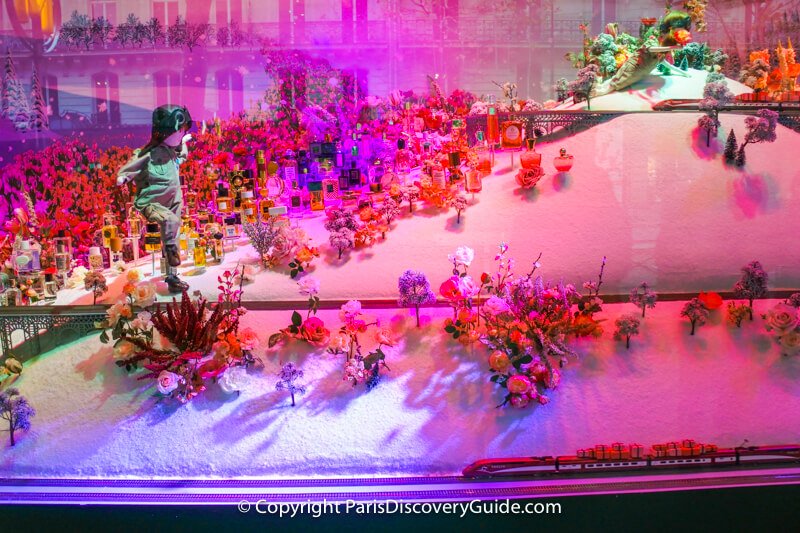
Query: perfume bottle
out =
(152, 237)
(530, 158)
(295, 202)
(402, 161)
(13, 295)
(315, 196)
(224, 201)
(115, 251)
(492, 124)
(50, 287)
(354, 176)
(109, 229)
(330, 190)
(484, 165)
(376, 173)
(63, 255)
(249, 210)
(290, 173)
(261, 170)
(96, 258)
(473, 182)
(264, 206)
(454, 159)
(427, 159)
(229, 229)
(344, 179)
(200, 253)
(438, 179)
(236, 179)
(134, 222)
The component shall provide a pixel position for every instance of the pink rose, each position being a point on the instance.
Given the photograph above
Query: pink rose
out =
(313, 331)
(519, 401)
(248, 339)
(168, 382)
(451, 289)
(518, 384)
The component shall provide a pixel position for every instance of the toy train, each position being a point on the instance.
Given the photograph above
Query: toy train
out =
(618, 457)
(740, 104)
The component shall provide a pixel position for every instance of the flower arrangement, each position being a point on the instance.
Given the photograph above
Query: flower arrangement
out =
(311, 329)
(279, 244)
(199, 341)
(527, 325)
(783, 321)
(696, 312)
(357, 367)
(459, 290)
(415, 291)
(527, 178)
(643, 297)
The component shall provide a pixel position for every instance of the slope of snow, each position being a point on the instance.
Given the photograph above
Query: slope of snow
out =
(433, 413)
(641, 96)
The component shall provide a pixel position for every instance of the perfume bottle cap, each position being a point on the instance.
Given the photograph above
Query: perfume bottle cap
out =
(152, 227)
(94, 250)
(277, 210)
(454, 158)
(479, 136)
(230, 221)
(530, 142)
(401, 144)
(246, 195)
(314, 186)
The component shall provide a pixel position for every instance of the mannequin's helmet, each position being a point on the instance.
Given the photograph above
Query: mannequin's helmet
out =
(167, 119)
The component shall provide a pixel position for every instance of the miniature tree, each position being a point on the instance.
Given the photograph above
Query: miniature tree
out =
(738, 312)
(730, 148)
(760, 129)
(101, 30)
(39, 120)
(131, 31)
(581, 88)
(95, 282)
(794, 300)
(289, 374)
(459, 203)
(390, 209)
(410, 194)
(715, 96)
(684, 64)
(561, 89)
(77, 31)
(15, 103)
(714, 77)
(626, 327)
(342, 239)
(696, 312)
(752, 285)
(755, 75)
(16, 410)
(415, 290)
(642, 297)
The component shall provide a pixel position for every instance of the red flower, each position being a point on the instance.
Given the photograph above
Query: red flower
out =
(450, 289)
(240, 150)
(212, 368)
(313, 330)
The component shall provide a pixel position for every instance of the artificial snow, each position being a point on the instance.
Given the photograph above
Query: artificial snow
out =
(433, 413)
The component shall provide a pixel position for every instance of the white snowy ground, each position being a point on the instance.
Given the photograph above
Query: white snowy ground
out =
(655, 88)
(433, 414)
(645, 191)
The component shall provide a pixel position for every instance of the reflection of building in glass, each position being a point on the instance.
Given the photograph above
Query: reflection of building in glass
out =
(382, 44)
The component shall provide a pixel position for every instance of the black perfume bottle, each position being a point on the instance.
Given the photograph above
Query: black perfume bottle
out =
(354, 176)
(344, 179)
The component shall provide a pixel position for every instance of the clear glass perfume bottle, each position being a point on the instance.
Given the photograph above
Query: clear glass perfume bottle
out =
(295, 202)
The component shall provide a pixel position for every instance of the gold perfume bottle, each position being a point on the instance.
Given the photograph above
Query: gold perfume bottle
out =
(200, 253)
(315, 196)
(152, 238)
(249, 211)
(109, 229)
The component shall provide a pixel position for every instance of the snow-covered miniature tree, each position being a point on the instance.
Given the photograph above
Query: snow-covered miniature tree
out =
(289, 374)
(696, 312)
(731, 146)
(342, 226)
(415, 290)
(390, 209)
(562, 89)
(755, 75)
(642, 297)
(16, 410)
(714, 77)
(342, 239)
(716, 95)
(15, 102)
(581, 88)
(752, 285)
(459, 203)
(760, 129)
(38, 119)
(626, 327)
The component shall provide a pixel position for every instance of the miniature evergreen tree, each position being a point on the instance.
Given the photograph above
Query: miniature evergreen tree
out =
(626, 327)
(740, 159)
(642, 297)
(16, 410)
(9, 75)
(730, 148)
(289, 374)
(752, 285)
(684, 64)
(154, 32)
(415, 290)
(696, 312)
(39, 120)
(15, 103)
(77, 31)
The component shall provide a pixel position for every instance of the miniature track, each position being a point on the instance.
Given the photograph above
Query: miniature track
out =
(449, 488)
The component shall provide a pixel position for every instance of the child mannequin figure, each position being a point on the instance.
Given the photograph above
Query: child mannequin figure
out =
(154, 169)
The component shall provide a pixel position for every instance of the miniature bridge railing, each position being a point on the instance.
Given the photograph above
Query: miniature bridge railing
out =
(46, 325)
(546, 122)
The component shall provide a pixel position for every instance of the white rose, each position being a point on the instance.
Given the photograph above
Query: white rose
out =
(350, 309)
(790, 342)
(76, 279)
(468, 287)
(233, 380)
(463, 256)
(168, 382)
(145, 294)
(309, 286)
